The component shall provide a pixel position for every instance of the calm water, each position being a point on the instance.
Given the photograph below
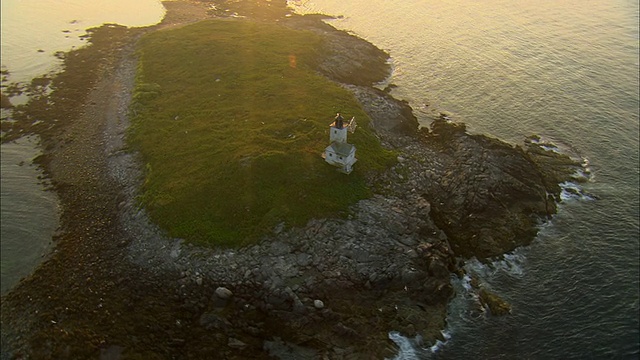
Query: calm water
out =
(29, 214)
(32, 32)
(567, 70)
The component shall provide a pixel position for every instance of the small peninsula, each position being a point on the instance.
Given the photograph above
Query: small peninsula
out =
(245, 243)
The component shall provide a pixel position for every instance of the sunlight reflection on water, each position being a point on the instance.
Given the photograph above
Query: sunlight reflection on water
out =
(33, 31)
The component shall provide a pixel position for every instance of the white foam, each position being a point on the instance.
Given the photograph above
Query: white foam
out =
(573, 191)
(510, 264)
(438, 345)
(466, 282)
(551, 148)
(408, 350)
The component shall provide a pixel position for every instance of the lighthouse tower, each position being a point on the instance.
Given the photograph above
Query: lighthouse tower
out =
(340, 153)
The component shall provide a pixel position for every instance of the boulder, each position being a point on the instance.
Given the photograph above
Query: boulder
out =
(496, 305)
(223, 293)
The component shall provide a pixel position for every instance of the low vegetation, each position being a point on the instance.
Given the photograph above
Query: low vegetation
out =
(231, 120)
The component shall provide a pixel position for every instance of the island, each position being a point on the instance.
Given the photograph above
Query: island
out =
(199, 219)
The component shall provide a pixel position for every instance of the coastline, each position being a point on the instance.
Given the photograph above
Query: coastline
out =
(109, 262)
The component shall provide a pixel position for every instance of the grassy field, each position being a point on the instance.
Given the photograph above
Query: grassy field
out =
(231, 119)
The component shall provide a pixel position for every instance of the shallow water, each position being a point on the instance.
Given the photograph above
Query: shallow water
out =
(29, 214)
(567, 71)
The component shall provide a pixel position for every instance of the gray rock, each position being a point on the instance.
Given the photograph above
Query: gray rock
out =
(397, 227)
(407, 240)
(303, 259)
(223, 293)
(318, 304)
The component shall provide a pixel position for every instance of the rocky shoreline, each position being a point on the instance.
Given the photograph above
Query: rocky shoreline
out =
(116, 286)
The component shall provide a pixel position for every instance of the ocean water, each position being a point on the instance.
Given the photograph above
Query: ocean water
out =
(568, 71)
(32, 32)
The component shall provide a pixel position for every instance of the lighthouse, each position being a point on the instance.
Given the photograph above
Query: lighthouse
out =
(340, 153)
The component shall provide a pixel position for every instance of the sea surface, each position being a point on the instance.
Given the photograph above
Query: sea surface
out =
(32, 32)
(565, 70)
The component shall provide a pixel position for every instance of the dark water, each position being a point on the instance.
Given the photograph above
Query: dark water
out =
(568, 71)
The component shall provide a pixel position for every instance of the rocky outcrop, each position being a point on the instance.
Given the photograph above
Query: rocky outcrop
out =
(487, 196)
(387, 114)
(345, 58)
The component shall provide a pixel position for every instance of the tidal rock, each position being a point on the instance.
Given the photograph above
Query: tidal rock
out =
(497, 306)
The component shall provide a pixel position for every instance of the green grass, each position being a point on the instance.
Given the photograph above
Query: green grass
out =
(231, 119)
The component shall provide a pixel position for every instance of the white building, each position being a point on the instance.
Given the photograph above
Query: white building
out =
(340, 153)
